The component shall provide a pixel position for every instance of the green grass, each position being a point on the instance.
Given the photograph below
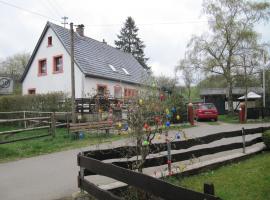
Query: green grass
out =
(179, 126)
(229, 119)
(62, 141)
(246, 180)
(235, 119)
(213, 123)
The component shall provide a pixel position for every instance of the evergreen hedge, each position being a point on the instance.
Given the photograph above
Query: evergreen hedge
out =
(266, 139)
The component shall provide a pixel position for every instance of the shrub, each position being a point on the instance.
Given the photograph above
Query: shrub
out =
(41, 102)
(266, 139)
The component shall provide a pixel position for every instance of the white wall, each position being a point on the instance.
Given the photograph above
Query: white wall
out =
(60, 82)
(90, 86)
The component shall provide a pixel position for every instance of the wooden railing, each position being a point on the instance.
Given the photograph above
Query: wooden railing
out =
(116, 163)
(46, 121)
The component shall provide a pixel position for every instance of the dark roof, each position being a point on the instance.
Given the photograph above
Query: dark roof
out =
(223, 91)
(94, 57)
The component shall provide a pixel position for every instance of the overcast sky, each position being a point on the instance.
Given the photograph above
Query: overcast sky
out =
(164, 26)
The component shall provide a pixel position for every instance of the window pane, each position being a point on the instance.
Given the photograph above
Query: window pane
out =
(58, 64)
(43, 66)
(101, 90)
(117, 92)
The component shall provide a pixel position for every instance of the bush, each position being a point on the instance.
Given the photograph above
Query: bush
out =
(266, 139)
(41, 102)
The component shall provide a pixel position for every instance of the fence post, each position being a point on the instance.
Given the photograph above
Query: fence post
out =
(209, 188)
(169, 157)
(67, 118)
(24, 116)
(244, 140)
(81, 173)
(53, 124)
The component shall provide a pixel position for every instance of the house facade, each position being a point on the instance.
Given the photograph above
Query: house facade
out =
(99, 68)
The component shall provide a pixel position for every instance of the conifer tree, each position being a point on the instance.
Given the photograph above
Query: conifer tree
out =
(128, 41)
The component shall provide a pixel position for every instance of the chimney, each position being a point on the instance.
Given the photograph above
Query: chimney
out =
(80, 30)
(104, 41)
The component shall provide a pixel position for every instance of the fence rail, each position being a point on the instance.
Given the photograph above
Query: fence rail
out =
(147, 183)
(104, 162)
(50, 122)
(130, 151)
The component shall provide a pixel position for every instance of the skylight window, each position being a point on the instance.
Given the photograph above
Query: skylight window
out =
(127, 73)
(112, 67)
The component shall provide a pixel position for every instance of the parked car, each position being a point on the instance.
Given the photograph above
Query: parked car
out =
(205, 111)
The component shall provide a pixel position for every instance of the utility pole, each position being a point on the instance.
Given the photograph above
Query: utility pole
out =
(73, 116)
(65, 21)
(264, 81)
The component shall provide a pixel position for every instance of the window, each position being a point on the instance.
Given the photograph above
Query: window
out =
(49, 41)
(32, 91)
(117, 91)
(112, 67)
(126, 72)
(130, 93)
(42, 67)
(101, 89)
(58, 64)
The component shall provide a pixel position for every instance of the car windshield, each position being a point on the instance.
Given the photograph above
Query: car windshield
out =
(207, 106)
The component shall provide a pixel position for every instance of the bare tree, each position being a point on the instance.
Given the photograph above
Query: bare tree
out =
(145, 119)
(250, 60)
(14, 66)
(187, 73)
(230, 24)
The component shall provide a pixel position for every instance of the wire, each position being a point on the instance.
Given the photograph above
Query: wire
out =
(102, 25)
(55, 8)
(48, 8)
(157, 23)
(62, 10)
(29, 11)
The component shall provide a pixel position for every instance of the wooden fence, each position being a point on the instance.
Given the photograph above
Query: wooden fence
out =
(47, 121)
(147, 183)
(120, 166)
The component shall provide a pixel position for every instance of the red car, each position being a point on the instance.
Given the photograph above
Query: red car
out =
(205, 111)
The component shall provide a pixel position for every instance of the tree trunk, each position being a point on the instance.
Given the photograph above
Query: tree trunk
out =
(230, 98)
(189, 94)
(246, 93)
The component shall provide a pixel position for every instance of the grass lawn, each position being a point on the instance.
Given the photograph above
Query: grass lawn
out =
(213, 123)
(228, 119)
(235, 119)
(62, 141)
(179, 126)
(246, 180)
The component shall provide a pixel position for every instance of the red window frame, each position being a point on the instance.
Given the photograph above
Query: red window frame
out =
(32, 91)
(40, 61)
(54, 64)
(125, 92)
(49, 41)
(130, 92)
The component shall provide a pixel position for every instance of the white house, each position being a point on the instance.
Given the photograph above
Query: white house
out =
(98, 66)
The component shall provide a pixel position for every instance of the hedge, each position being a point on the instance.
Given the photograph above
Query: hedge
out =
(51, 102)
(266, 139)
